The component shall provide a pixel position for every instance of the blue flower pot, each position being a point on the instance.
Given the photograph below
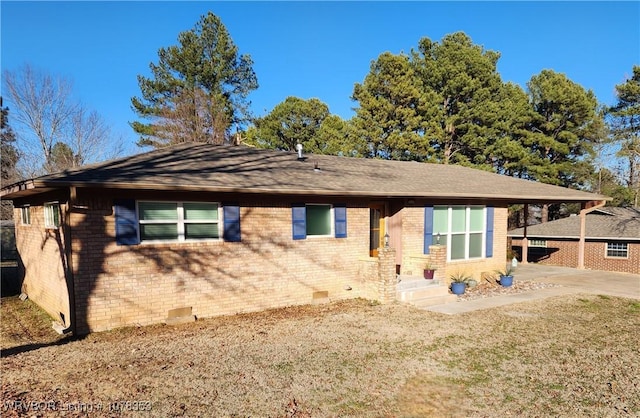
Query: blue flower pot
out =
(458, 288)
(506, 281)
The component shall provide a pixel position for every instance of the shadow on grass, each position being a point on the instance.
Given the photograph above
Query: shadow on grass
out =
(25, 348)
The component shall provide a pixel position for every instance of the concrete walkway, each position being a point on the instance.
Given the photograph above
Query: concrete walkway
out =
(571, 281)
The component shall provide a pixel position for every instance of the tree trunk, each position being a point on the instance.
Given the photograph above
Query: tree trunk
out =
(544, 213)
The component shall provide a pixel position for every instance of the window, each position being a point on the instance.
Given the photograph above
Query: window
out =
(617, 249)
(171, 221)
(461, 229)
(52, 215)
(319, 220)
(25, 215)
(540, 243)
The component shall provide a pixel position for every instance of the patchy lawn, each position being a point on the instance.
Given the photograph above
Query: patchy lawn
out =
(569, 356)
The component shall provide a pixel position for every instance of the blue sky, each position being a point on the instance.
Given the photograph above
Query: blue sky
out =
(314, 49)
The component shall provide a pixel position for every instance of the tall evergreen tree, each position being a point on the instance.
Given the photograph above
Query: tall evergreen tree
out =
(8, 152)
(203, 74)
(508, 151)
(8, 159)
(291, 122)
(566, 128)
(395, 111)
(334, 138)
(625, 129)
(464, 80)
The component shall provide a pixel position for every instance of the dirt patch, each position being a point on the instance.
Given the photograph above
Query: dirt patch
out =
(568, 356)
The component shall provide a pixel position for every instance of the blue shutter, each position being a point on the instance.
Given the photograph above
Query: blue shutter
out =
(299, 221)
(489, 237)
(231, 214)
(428, 228)
(340, 216)
(126, 222)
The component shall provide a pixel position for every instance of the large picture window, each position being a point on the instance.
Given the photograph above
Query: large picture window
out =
(461, 229)
(170, 221)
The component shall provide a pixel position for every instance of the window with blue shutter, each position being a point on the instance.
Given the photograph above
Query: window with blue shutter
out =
(231, 223)
(126, 222)
(316, 220)
(489, 232)
(299, 221)
(428, 228)
(340, 217)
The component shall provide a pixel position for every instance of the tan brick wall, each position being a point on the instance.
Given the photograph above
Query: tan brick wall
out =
(565, 253)
(413, 240)
(42, 254)
(127, 285)
(124, 285)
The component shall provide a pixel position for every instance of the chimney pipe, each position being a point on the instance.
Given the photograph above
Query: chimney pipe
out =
(299, 148)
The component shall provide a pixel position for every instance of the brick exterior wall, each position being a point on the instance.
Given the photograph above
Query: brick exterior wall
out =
(42, 255)
(565, 253)
(123, 285)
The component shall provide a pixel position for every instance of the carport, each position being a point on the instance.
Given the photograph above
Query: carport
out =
(585, 208)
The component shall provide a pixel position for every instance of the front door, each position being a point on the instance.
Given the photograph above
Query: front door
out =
(376, 228)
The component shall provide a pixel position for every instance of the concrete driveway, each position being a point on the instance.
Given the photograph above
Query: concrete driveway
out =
(624, 285)
(572, 281)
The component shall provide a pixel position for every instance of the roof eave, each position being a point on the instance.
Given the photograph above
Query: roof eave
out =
(539, 236)
(36, 186)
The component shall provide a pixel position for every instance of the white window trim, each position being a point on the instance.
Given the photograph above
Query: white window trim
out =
(48, 217)
(467, 233)
(537, 243)
(181, 222)
(25, 209)
(332, 221)
(618, 257)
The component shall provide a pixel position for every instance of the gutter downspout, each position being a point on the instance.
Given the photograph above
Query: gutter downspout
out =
(586, 208)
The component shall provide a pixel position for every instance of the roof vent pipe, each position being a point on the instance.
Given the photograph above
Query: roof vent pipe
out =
(299, 148)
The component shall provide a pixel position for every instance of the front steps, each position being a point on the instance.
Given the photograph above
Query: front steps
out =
(421, 293)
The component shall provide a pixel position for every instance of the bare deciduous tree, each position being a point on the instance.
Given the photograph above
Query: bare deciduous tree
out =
(46, 114)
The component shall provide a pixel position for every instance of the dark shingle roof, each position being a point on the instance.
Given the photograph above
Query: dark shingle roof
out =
(604, 223)
(225, 168)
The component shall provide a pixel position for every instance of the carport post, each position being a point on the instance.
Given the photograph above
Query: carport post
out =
(585, 208)
(525, 241)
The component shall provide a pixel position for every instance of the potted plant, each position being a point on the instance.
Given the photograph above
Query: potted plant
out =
(506, 276)
(429, 271)
(459, 283)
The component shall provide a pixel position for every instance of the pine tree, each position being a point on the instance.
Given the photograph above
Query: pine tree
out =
(625, 129)
(198, 89)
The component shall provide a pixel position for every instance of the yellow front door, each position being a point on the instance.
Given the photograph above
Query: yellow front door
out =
(376, 228)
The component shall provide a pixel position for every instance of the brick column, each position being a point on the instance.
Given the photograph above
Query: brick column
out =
(387, 280)
(438, 259)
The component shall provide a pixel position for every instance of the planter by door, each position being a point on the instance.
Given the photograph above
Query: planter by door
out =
(428, 274)
(458, 288)
(506, 281)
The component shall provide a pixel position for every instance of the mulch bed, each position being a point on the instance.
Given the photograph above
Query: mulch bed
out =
(489, 288)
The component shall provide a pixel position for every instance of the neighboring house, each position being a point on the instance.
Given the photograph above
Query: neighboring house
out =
(612, 240)
(202, 230)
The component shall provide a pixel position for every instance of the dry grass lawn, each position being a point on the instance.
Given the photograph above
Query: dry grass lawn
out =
(569, 356)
